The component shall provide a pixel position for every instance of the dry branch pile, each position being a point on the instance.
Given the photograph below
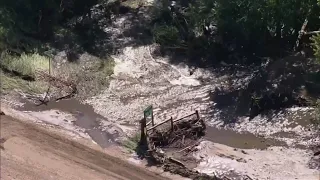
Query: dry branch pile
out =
(178, 136)
(63, 86)
(181, 134)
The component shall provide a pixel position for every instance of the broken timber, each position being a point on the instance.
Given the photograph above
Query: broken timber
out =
(174, 133)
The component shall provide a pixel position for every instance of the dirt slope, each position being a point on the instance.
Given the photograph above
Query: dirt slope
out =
(30, 152)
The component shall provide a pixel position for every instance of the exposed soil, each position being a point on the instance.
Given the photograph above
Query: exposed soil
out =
(84, 117)
(29, 152)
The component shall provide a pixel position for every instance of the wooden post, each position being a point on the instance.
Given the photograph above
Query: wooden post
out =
(171, 119)
(197, 113)
(143, 135)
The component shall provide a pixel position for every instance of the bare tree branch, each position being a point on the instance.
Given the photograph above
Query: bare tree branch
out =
(303, 27)
(311, 33)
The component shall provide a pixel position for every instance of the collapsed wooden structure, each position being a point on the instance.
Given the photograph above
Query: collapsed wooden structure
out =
(176, 132)
(179, 134)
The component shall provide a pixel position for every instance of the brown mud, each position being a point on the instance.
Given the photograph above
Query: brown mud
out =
(85, 118)
(237, 140)
(89, 120)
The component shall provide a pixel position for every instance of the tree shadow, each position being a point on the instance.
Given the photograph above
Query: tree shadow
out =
(143, 153)
(86, 33)
(104, 30)
(280, 84)
(271, 85)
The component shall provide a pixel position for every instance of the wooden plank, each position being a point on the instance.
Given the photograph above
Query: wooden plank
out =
(197, 113)
(174, 120)
(184, 117)
(143, 132)
(158, 124)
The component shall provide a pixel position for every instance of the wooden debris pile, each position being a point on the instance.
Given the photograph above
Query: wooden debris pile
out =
(171, 143)
(179, 135)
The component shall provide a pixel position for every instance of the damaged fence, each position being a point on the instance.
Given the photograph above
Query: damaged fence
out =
(177, 135)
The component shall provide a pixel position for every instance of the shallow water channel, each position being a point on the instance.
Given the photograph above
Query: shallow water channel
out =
(89, 120)
(85, 118)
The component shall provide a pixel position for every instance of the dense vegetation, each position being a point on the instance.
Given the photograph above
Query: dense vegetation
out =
(199, 28)
(205, 27)
(244, 31)
(24, 22)
(204, 31)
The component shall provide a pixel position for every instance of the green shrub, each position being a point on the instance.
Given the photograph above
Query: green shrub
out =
(132, 142)
(316, 46)
(166, 35)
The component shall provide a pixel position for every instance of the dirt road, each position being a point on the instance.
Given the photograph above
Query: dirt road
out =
(31, 152)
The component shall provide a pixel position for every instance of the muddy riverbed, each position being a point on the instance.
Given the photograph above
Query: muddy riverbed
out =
(84, 117)
(235, 159)
(80, 116)
(277, 144)
(222, 151)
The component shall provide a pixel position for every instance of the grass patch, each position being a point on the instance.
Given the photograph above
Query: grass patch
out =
(166, 35)
(132, 142)
(26, 64)
(8, 84)
(90, 76)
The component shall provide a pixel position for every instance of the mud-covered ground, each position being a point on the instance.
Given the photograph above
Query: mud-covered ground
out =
(276, 144)
(33, 148)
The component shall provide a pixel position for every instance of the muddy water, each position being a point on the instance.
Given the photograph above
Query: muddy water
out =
(237, 140)
(85, 118)
(89, 120)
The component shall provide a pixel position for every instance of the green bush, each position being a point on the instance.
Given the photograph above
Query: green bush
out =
(316, 46)
(132, 142)
(166, 35)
